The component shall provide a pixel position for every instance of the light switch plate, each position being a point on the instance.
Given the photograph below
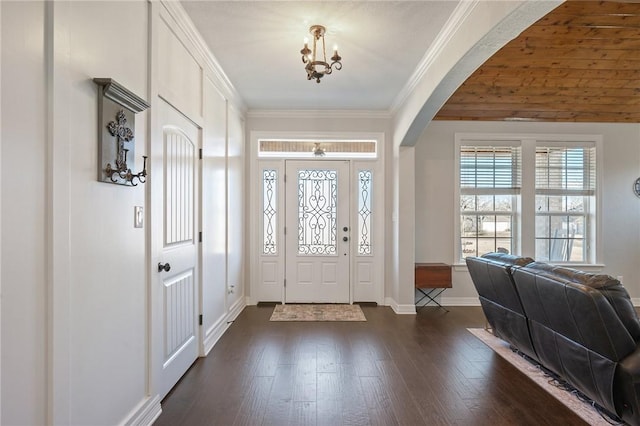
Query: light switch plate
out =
(138, 216)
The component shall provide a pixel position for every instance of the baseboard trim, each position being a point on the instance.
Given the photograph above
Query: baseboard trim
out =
(635, 301)
(400, 309)
(145, 413)
(235, 309)
(214, 333)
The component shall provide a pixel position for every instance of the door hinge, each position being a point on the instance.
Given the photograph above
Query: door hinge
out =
(200, 319)
(200, 236)
(200, 154)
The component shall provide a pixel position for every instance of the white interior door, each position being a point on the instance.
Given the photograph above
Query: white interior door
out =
(317, 231)
(176, 220)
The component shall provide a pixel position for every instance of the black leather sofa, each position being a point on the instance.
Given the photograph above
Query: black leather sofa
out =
(582, 327)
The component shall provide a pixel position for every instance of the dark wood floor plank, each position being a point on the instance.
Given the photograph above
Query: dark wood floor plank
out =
(423, 369)
(279, 406)
(254, 403)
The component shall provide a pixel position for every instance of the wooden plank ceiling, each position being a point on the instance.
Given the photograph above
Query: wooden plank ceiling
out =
(579, 63)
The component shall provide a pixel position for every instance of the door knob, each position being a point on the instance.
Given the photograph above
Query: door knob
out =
(164, 267)
(345, 238)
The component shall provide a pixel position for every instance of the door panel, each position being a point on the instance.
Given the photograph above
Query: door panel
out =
(317, 232)
(177, 286)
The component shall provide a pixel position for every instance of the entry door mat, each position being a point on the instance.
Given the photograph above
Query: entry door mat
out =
(316, 312)
(579, 405)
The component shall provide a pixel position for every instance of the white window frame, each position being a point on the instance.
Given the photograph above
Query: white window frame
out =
(525, 232)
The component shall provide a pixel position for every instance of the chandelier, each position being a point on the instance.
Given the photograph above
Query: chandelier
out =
(315, 62)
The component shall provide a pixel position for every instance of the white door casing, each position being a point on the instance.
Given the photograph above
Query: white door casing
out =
(174, 216)
(317, 237)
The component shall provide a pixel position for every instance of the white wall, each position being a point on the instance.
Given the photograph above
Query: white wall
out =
(435, 203)
(107, 254)
(24, 237)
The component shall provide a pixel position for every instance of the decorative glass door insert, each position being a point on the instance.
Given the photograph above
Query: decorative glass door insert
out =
(317, 210)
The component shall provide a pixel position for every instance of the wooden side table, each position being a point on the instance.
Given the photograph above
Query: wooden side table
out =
(431, 279)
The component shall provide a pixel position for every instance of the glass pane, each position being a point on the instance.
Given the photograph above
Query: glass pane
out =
(541, 203)
(543, 229)
(487, 226)
(269, 213)
(560, 250)
(577, 251)
(317, 210)
(468, 226)
(503, 245)
(364, 212)
(467, 203)
(503, 226)
(575, 204)
(486, 245)
(485, 203)
(468, 247)
(504, 203)
(576, 226)
(556, 203)
(542, 250)
(558, 226)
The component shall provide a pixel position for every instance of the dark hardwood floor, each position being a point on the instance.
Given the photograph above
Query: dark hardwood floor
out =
(423, 369)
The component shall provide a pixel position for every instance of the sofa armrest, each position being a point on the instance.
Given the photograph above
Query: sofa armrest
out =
(626, 388)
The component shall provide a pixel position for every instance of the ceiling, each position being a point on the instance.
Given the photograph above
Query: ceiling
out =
(257, 43)
(579, 63)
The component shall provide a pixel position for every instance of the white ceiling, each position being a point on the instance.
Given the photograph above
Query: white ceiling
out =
(257, 43)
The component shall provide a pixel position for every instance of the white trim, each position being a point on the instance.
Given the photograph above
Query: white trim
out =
(58, 296)
(235, 309)
(145, 413)
(450, 28)
(0, 211)
(400, 309)
(635, 301)
(185, 24)
(214, 333)
(370, 114)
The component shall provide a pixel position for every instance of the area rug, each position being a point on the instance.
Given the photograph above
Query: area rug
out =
(570, 399)
(313, 312)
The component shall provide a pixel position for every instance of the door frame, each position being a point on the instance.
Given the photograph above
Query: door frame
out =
(266, 271)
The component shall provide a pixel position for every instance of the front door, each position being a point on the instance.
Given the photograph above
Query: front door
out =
(317, 237)
(175, 219)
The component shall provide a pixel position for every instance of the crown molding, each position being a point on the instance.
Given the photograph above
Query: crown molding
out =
(363, 114)
(210, 63)
(453, 24)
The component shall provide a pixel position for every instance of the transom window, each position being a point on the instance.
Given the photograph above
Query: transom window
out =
(314, 148)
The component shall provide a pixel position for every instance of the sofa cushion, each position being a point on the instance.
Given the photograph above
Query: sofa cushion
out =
(575, 310)
(508, 259)
(609, 286)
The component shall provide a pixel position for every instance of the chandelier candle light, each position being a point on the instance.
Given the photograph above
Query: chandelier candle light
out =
(317, 67)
